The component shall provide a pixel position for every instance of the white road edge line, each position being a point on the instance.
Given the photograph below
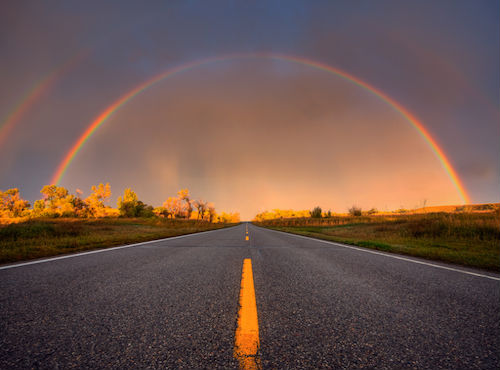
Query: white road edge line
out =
(384, 254)
(107, 249)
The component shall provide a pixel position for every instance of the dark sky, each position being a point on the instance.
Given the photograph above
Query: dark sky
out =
(254, 134)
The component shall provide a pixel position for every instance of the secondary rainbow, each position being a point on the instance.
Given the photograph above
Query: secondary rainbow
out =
(34, 93)
(110, 110)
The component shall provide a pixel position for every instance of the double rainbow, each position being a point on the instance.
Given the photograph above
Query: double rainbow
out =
(41, 87)
(110, 110)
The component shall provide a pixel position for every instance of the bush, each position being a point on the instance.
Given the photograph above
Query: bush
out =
(316, 212)
(355, 211)
(402, 211)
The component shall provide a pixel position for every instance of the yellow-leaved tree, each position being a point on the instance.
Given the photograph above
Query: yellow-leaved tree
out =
(95, 201)
(12, 205)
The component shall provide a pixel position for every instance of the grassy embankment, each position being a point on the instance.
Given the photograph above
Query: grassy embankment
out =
(48, 237)
(470, 239)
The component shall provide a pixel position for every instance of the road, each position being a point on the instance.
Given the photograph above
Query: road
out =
(174, 304)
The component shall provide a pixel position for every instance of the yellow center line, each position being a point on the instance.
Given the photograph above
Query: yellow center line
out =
(246, 344)
(246, 237)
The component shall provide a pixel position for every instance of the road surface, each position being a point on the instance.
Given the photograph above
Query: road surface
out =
(174, 304)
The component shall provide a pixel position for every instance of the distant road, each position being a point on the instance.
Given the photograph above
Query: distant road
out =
(174, 304)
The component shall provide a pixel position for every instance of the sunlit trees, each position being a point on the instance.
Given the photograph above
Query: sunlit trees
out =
(281, 213)
(184, 196)
(11, 204)
(211, 212)
(228, 217)
(182, 207)
(95, 201)
(201, 207)
(128, 203)
(56, 202)
(173, 207)
(130, 206)
(79, 205)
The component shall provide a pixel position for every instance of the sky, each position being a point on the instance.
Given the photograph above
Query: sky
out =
(254, 133)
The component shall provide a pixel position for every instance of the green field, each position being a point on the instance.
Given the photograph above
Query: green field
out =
(49, 237)
(469, 239)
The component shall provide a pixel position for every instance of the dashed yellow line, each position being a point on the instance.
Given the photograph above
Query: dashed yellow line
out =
(247, 344)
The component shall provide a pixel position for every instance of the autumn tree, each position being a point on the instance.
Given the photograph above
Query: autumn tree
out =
(211, 212)
(281, 213)
(173, 207)
(201, 206)
(130, 206)
(160, 212)
(95, 202)
(127, 204)
(184, 196)
(79, 205)
(56, 201)
(228, 217)
(11, 204)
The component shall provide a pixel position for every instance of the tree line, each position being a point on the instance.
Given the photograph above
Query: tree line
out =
(316, 212)
(57, 201)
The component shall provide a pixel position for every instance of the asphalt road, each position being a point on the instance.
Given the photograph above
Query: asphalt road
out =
(173, 304)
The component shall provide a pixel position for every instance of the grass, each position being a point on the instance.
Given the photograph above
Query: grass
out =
(48, 237)
(469, 239)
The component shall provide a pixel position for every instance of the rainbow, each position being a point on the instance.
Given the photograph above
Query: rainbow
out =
(34, 93)
(110, 110)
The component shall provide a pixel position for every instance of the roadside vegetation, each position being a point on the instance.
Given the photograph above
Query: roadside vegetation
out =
(61, 222)
(466, 235)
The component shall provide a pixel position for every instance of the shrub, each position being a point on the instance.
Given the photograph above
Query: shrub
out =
(355, 211)
(316, 212)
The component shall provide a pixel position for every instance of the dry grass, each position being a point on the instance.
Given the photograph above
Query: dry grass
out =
(48, 237)
(471, 239)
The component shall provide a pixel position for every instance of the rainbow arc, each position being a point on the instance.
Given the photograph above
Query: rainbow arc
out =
(124, 99)
(33, 95)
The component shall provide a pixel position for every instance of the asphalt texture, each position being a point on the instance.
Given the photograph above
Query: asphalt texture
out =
(173, 304)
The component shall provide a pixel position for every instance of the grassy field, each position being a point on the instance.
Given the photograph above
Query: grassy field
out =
(470, 239)
(48, 237)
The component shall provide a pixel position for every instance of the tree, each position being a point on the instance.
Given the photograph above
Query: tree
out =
(211, 213)
(228, 217)
(201, 206)
(173, 206)
(160, 211)
(183, 195)
(79, 205)
(130, 206)
(95, 202)
(57, 201)
(11, 204)
(316, 212)
(355, 211)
